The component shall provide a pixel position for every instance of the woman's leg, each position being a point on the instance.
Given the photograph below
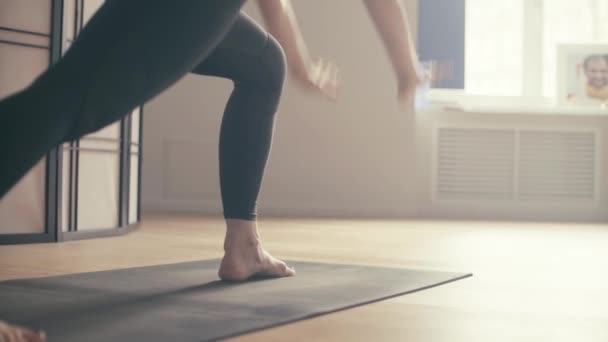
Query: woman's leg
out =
(254, 61)
(128, 53)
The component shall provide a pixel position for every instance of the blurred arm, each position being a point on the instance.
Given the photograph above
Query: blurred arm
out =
(392, 24)
(282, 24)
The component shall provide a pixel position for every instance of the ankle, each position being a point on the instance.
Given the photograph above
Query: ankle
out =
(241, 234)
(239, 243)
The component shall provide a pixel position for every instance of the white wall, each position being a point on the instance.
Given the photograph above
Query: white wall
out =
(354, 157)
(22, 209)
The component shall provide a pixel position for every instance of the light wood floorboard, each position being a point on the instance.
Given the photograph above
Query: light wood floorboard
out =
(532, 281)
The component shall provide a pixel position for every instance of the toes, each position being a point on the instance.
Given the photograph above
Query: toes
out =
(27, 335)
(279, 269)
(30, 336)
(289, 271)
(14, 333)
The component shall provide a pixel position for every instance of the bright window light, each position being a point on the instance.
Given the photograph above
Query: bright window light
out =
(496, 32)
(565, 21)
(493, 53)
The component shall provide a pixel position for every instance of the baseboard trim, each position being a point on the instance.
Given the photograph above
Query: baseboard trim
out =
(284, 209)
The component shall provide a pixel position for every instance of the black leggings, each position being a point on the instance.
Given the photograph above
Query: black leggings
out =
(128, 53)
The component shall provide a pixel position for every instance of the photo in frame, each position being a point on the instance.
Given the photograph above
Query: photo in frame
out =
(582, 74)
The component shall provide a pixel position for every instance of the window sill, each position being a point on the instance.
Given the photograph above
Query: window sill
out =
(457, 101)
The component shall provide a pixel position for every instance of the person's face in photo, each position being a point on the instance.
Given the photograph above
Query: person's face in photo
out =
(596, 70)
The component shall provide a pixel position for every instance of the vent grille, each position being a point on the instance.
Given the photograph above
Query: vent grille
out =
(557, 166)
(475, 163)
(480, 164)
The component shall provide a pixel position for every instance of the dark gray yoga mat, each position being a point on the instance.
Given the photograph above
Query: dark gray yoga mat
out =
(186, 302)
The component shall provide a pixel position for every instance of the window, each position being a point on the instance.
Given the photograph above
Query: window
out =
(511, 45)
(587, 24)
(506, 48)
(493, 50)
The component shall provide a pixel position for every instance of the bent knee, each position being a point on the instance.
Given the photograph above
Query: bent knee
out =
(274, 58)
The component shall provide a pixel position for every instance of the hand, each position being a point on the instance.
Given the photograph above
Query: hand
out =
(321, 77)
(407, 89)
(427, 75)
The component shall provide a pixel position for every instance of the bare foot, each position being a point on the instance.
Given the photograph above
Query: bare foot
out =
(13, 333)
(245, 257)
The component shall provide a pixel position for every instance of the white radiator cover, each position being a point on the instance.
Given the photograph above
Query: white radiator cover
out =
(515, 165)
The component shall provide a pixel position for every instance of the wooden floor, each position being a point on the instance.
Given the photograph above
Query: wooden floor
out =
(532, 282)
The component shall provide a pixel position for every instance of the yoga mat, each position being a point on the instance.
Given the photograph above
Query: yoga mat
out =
(187, 302)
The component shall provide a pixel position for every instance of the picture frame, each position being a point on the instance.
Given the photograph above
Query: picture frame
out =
(582, 75)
